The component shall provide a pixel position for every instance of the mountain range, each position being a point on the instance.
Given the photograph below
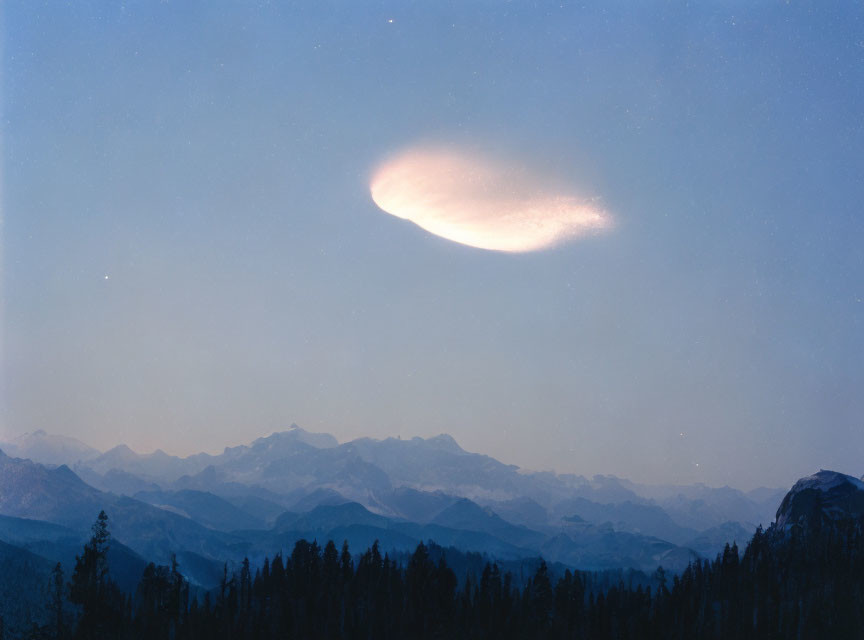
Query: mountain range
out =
(253, 500)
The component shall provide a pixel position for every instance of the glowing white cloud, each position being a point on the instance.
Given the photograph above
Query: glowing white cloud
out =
(481, 203)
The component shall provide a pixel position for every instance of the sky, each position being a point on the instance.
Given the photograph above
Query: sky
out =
(192, 256)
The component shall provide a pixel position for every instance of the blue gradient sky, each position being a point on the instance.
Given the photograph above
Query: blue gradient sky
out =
(213, 160)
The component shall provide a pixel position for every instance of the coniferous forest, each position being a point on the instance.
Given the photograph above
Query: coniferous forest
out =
(799, 583)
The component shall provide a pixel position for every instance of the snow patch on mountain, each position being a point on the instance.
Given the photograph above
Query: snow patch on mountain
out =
(826, 480)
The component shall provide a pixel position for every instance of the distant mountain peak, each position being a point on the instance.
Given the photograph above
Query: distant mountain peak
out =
(121, 450)
(52, 449)
(445, 442)
(298, 434)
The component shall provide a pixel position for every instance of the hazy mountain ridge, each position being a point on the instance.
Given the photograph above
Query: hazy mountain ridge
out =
(253, 498)
(364, 468)
(32, 492)
(295, 458)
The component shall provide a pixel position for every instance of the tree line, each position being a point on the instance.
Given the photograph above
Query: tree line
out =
(801, 583)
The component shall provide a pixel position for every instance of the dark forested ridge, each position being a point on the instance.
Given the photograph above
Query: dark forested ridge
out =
(804, 580)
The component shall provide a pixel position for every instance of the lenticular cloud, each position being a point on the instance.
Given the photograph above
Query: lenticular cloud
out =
(481, 203)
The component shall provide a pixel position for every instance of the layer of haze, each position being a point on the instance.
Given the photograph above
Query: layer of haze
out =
(192, 258)
(480, 202)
